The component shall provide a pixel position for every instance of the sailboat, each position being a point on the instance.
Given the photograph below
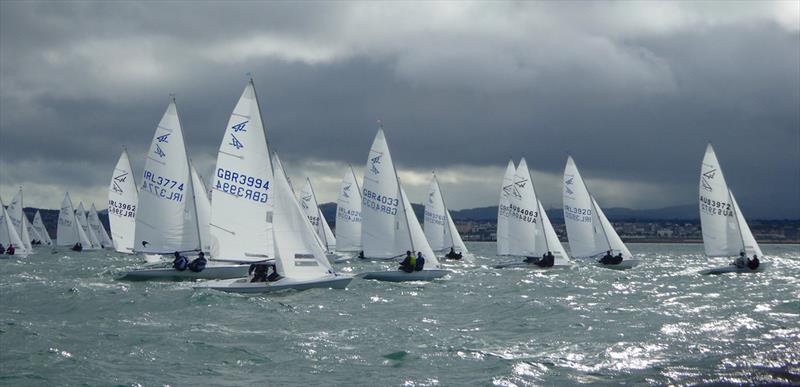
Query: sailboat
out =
(348, 214)
(69, 231)
(389, 226)
(590, 233)
(530, 232)
(725, 230)
(35, 236)
(310, 206)
(9, 235)
(83, 221)
(38, 225)
(123, 198)
(300, 259)
(98, 229)
(19, 221)
(440, 230)
(504, 211)
(167, 219)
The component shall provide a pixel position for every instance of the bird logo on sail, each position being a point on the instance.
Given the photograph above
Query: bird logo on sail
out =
(708, 175)
(568, 183)
(117, 188)
(430, 197)
(239, 127)
(346, 190)
(373, 164)
(236, 143)
(306, 200)
(160, 152)
(163, 138)
(518, 186)
(507, 189)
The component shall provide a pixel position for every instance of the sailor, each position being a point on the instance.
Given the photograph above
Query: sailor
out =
(607, 259)
(2, 249)
(741, 262)
(420, 262)
(198, 264)
(10, 250)
(409, 263)
(180, 262)
(274, 276)
(259, 272)
(548, 260)
(617, 259)
(753, 263)
(361, 254)
(77, 247)
(453, 255)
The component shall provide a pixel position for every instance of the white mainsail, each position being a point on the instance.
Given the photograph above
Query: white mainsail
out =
(524, 219)
(503, 210)
(38, 225)
(166, 218)
(203, 204)
(381, 204)
(80, 215)
(123, 198)
(69, 231)
(97, 227)
(297, 250)
(725, 231)
(348, 214)
(308, 201)
(241, 205)
(9, 234)
(440, 230)
(16, 214)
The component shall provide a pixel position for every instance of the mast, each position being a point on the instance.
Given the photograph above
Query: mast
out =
(402, 201)
(190, 182)
(263, 126)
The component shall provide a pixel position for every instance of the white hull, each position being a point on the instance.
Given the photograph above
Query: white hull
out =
(397, 258)
(169, 273)
(733, 269)
(243, 285)
(624, 265)
(401, 276)
(526, 265)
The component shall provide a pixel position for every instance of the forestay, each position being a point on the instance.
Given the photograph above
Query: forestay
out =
(241, 203)
(503, 209)
(310, 206)
(299, 254)
(381, 204)
(123, 198)
(348, 214)
(38, 225)
(166, 218)
(721, 234)
(203, 204)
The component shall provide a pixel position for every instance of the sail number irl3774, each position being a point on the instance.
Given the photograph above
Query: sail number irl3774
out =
(162, 187)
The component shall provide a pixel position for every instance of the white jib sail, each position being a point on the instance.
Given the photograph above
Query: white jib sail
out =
(348, 214)
(203, 204)
(241, 205)
(98, 228)
(503, 209)
(298, 252)
(166, 219)
(551, 242)
(16, 215)
(418, 242)
(9, 234)
(454, 236)
(721, 235)
(67, 231)
(123, 198)
(38, 225)
(523, 224)
(80, 214)
(380, 203)
(578, 214)
(308, 201)
(611, 240)
(748, 241)
(435, 218)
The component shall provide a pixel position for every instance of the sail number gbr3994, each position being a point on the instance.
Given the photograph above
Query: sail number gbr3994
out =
(241, 185)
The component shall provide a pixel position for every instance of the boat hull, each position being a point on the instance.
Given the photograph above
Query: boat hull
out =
(733, 269)
(401, 276)
(624, 265)
(244, 286)
(170, 274)
(525, 265)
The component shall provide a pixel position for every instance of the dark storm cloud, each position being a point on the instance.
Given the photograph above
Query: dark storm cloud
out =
(633, 93)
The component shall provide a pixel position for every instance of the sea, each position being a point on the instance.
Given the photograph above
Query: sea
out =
(66, 319)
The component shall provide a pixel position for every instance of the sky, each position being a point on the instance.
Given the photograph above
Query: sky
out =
(632, 90)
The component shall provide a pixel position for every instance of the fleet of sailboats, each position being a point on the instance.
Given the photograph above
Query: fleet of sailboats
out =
(252, 218)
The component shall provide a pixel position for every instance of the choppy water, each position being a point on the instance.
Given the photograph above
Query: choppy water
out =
(65, 320)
